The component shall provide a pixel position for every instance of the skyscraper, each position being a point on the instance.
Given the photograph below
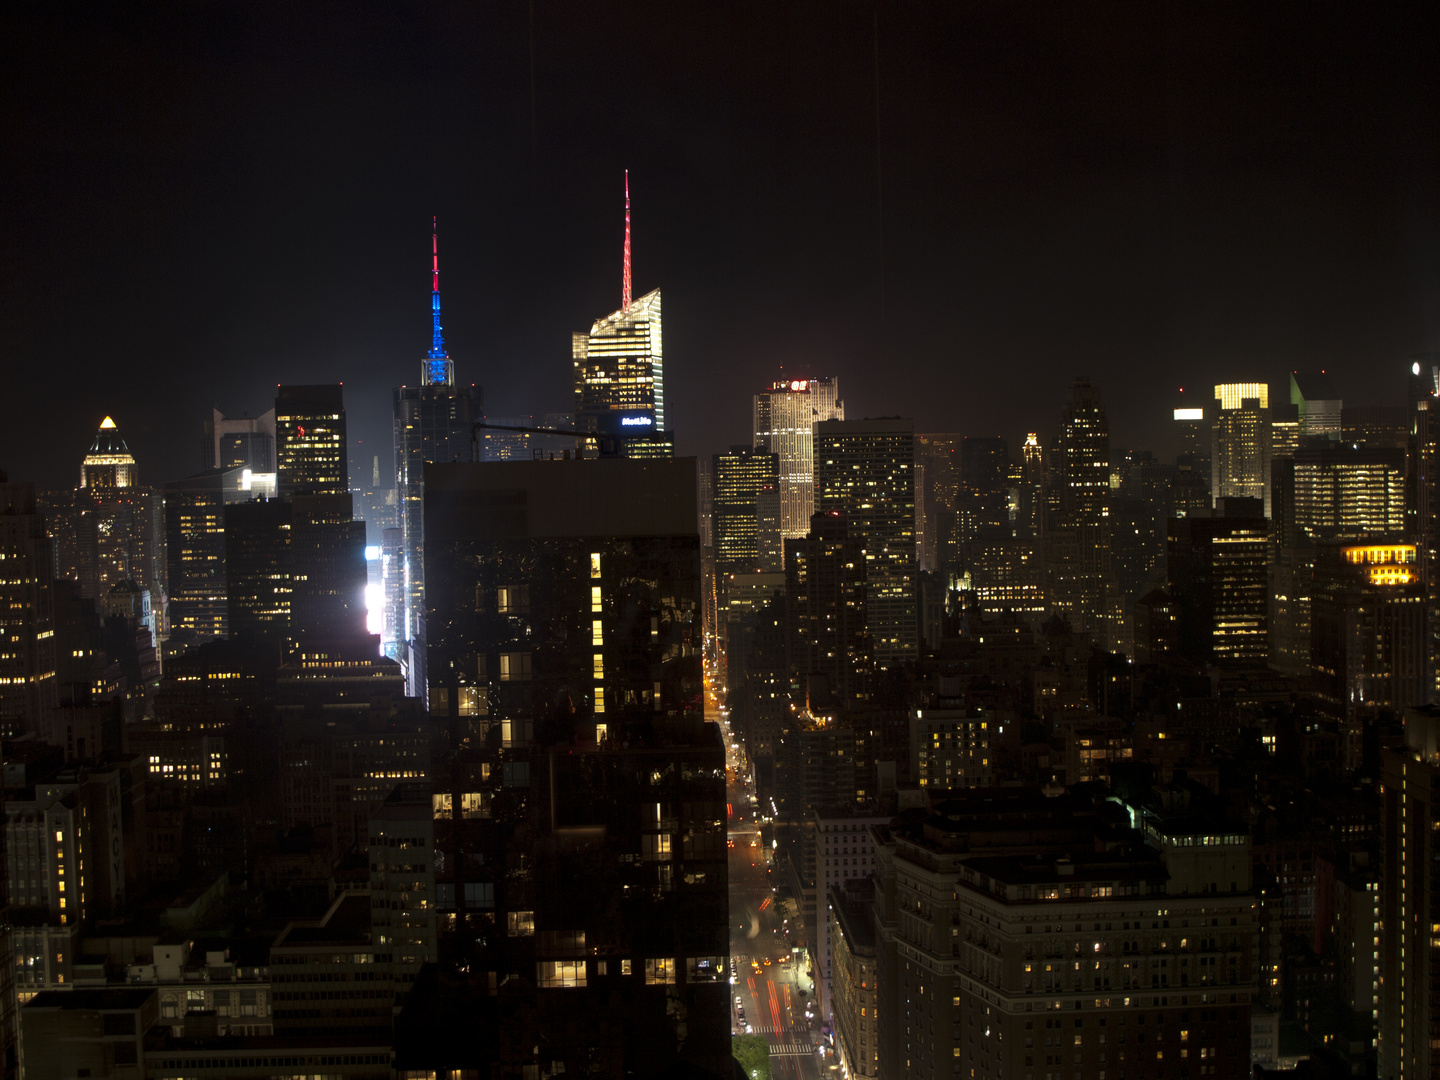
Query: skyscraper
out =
(785, 416)
(1240, 451)
(109, 529)
(1219, 584)
(865, 469)
(827, 623)
(310, 445)
(195, 550)
(1409, 899)
(1078, 537)
(565, 656)
(1319, 404)
(1343, 490)
(745, 509)
(28, 685)
(619, 365)
(243, 442)
(434, 422)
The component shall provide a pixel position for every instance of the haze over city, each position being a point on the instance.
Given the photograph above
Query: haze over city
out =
(656, 541)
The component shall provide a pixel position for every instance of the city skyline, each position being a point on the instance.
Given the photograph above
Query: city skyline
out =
(1201, 238)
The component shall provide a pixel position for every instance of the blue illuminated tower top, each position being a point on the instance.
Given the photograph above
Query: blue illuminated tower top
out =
(437, 368)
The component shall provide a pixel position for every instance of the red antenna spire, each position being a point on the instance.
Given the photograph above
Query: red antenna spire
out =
(625, 289)
(434, 257)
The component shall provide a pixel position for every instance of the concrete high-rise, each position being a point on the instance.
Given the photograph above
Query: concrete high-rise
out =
(434, 422)
(1240, 450)
(865, 469)
(785, 416)
(312, 455)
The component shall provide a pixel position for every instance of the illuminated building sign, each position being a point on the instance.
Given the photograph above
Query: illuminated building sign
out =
(637, 421)
(1189, 414)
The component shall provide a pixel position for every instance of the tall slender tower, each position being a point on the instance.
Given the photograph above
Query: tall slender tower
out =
(619, 364)
(433, 423)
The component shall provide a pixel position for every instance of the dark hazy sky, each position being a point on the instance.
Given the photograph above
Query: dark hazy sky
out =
(202, 200)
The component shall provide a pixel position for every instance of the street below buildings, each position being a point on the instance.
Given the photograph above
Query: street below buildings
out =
(771, 995)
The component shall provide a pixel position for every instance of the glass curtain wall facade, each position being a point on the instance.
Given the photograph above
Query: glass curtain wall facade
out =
(620, 366)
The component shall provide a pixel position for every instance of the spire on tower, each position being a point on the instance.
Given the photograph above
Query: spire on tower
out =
(625, 288)
(437, 339)
(438, 367)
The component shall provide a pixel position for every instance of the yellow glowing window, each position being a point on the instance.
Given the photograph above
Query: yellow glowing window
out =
(595, 602)
(597, 633)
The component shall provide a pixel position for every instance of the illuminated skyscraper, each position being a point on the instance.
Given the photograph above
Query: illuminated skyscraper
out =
(434, 422)
(1240, 454)
(745, 509)
(109, 464)
(1342, 490)
(1078, 536)
(28, 685)
(785, 418)
(195, 550)
(310, 444)
(108, 529)
(866, 470)
(619, 364)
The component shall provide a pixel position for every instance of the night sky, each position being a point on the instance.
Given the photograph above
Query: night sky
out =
(202, 200)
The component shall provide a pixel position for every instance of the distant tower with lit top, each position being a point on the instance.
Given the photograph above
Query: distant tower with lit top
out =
(433, 423)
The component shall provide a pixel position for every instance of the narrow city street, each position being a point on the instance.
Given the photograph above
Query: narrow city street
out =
(771, 993)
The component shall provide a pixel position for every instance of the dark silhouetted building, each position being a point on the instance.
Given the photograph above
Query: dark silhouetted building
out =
(827, 611)
(1219, 586)
(564, 662)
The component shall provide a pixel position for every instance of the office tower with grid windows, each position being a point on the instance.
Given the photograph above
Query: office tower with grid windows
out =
(1241, 443)
(865, 469)
(784, 419)
(312, 456)
(1077, 538)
